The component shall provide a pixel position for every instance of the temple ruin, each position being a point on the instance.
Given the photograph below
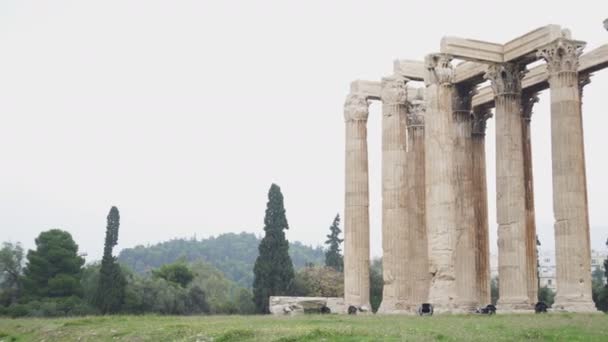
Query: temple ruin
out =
(435, 237)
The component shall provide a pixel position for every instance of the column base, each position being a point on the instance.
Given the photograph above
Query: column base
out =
(514, 305)
(565, 305)
(397, 308)
(362, 309)
(453, 309)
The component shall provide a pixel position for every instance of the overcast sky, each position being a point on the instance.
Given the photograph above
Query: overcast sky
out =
(182, 113)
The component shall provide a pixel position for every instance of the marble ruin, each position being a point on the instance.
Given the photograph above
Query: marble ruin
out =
(435, 236)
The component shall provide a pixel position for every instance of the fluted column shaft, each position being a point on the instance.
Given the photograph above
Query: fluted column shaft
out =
(356, 211)
(510, 187)
(465, 253)
(396, 295)
(528, 101)
(480, 205)
(440, 191)
(569, 179)
(418, 255)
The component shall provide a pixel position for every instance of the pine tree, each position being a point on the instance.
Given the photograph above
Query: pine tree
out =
(333, 258)
(111, 287)
(273, 270)
(54, 268)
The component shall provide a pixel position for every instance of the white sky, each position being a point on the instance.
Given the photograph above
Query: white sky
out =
(182, 113)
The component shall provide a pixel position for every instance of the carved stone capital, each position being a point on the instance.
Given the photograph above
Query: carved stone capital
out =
(356, 108)
(480, 117)
(562, 55)
(415, 112)
(506, 78)
(528, 100)
(583, 80)
(439, 69)
(394, 90)
(463, 95)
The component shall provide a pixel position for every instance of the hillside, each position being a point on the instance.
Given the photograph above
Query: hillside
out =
(233, 254)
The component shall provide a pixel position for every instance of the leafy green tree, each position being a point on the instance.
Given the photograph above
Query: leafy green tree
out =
(376, 284)
(546, 295)
(316, 281)
(606, 265)
(232, 253)
(54, 268)
(177, 273)
(494, 293)
(244, 302)
(111, 288)
(333, 258)
(11, 262)
(197, 301)
(273, 269)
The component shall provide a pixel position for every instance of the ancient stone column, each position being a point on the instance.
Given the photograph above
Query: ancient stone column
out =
(414, 197)
(397, 290)
(510, 187)
(465, 252)
(356, 210)
(480, 204)
(569, 179)
(527, 102)
(440, 191)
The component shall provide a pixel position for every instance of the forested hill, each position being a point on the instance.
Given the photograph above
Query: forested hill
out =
(233, 254)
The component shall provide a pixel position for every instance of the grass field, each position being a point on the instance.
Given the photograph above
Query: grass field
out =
(549, 327)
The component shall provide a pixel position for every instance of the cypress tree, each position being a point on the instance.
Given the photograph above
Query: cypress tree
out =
(333, 258)
(111, 287)
(273, 270)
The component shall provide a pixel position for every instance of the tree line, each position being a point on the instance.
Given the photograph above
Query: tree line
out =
(53, 280)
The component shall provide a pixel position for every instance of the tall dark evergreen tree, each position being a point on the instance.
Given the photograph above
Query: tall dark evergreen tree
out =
(54, 268)
(333, 258)
(606, 267)
(111, 287)
(273, 270)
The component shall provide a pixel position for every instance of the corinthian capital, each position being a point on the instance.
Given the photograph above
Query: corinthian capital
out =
(439, 69)
(506, 78)
(356, 108)
(528, 100)
(480, 117)
(415, 112)
(562, 55)
(394, 90)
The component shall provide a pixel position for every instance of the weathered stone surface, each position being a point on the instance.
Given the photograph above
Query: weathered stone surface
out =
(282, 305)
(356, 209)
(510, 187)
(413, 70)
(537, 78)
(513, 50)
(395, 242)
(435, 216)
(414, 196)
(465, 251)
(528, 100)
(569, 179)
(480, 205)
(371, 90)
(440, 190)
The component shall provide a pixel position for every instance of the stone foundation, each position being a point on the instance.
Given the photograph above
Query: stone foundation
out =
(282, 305)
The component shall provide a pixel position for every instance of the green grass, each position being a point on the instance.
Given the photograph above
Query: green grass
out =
(548, 327)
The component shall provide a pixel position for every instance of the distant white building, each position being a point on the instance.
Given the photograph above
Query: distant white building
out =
(547, 266)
